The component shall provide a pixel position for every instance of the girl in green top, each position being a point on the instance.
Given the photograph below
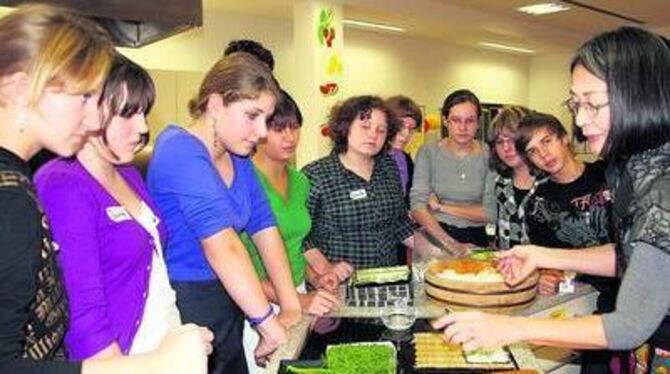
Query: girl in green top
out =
(287, 190)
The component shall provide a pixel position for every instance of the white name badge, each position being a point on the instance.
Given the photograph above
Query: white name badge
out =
(358, 194)
(567, 285)
(117, 213)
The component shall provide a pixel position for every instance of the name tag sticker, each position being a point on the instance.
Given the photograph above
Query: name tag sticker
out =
(117, 213)
(358, 194)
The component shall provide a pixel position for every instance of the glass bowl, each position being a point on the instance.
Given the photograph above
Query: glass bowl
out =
(398, 315)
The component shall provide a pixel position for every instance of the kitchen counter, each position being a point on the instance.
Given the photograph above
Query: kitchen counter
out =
(581, 302)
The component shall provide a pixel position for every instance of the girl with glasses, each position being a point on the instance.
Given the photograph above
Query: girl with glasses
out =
(630, 69)
(447, 193)
(514, 185)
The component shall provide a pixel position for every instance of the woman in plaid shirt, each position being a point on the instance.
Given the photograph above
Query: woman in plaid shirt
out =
(356, 201)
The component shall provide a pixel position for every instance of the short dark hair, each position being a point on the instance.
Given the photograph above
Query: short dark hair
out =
(128, 90)
(253, 48)
(635, 65)
(507, 119)
(139, 94)
(403, 106)
(459, 97)
(343, 115)
(286, 113)
(533, 122)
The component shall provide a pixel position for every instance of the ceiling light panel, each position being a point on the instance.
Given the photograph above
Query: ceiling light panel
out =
(371, 25)
(506, 47)
(543, 8)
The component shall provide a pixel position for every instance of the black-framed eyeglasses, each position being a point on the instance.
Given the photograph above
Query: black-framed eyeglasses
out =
(591, 110)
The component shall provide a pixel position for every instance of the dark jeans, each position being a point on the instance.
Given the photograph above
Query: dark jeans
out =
(475, 235)
(208, 304)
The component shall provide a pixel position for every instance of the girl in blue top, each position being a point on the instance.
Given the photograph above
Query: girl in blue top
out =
(207, 192)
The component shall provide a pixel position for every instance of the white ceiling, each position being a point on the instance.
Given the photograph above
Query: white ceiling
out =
(469, 22)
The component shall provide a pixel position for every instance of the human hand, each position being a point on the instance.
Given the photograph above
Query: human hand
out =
(325, 325)
(290, 317)
(518, 263)
(477, 330)
(454, 247)
(342, 269)
(328, 282)
(184, 350)
(319, 302)
(549, 280)
(434, 202)
(272, 334)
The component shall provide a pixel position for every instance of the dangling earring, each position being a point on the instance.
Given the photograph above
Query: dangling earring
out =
(217, 138)
(21, 120)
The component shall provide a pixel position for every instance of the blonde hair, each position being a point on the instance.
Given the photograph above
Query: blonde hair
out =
(55, 48)
(238, 76)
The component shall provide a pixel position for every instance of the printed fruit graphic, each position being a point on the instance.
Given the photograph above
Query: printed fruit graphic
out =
(334, 66)
(325, 130)
(330, 37)
(329, 89)
(325, 32)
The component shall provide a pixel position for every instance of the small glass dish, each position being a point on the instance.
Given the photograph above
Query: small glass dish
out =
(398, 315)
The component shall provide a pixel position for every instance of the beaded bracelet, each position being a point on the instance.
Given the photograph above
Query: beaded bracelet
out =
(255, 321)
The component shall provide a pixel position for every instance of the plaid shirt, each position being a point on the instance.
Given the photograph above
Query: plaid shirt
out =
(512, 228)
(355, 220)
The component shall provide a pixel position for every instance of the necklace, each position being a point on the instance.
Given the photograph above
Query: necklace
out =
(461, 169)
(460, 157)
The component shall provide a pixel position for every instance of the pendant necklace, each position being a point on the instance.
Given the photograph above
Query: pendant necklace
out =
(460, 161)
(460, 169)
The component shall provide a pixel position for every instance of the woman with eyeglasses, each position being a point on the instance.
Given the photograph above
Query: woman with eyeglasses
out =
(514, 185)
(449, 178)
(110, 235)
(572, 209)
(626, 74)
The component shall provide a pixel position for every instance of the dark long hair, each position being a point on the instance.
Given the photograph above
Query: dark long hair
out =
(635, 65)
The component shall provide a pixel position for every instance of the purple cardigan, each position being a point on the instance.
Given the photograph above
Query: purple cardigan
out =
(105, 255)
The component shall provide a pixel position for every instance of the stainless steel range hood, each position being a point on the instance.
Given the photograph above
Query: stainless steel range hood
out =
(134, 23)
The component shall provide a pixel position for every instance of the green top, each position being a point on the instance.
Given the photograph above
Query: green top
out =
(293, 222)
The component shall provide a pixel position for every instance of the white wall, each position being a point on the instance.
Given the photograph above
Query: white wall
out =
(427, 70)
(375, 63)
(378, 63)
(549, 80)
(197, 50)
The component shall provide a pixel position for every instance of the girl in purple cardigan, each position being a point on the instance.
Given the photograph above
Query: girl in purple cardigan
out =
(108, 229)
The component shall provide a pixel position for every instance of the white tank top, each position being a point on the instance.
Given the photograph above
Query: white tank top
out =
(160, 309)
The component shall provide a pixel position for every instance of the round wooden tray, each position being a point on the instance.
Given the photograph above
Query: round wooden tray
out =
(478, 294)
